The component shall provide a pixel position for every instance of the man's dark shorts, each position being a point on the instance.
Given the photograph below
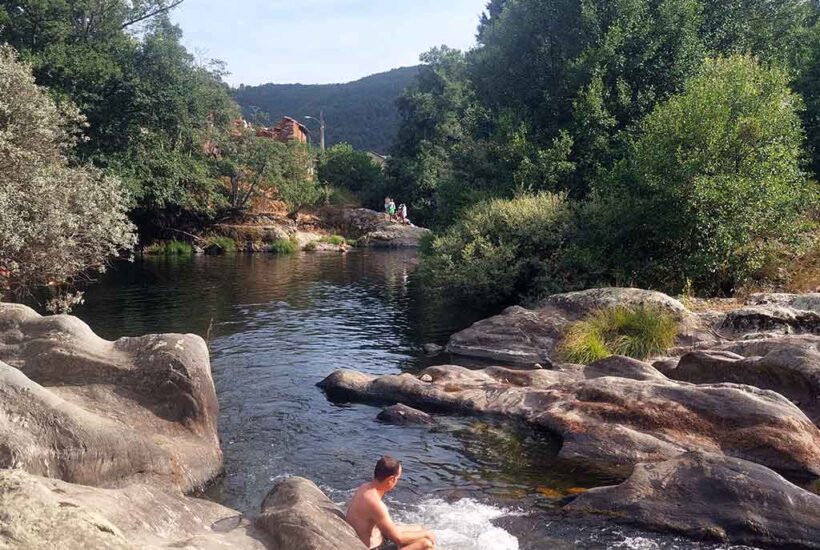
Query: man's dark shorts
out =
(387, 545)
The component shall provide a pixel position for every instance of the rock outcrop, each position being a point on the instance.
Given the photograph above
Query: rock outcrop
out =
(789, 370)
(611, 422)
(85, 410)
(711, 497)
(525, 336)
(38, 513)
(296, 514)
(372, 229)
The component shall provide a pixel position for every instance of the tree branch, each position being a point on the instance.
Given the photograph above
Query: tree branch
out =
(151, 14)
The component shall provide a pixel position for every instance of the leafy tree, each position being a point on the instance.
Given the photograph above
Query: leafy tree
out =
(712, 182)
(59, 220)
(256, 167)
(344, 167)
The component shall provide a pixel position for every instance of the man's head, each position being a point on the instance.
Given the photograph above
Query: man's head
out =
(387, 473)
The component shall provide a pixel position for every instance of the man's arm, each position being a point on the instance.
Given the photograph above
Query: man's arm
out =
(390, 530)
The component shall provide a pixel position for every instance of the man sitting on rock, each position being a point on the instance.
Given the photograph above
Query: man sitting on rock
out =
(369, 516)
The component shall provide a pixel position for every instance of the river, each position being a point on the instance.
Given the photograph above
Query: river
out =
(278, 325)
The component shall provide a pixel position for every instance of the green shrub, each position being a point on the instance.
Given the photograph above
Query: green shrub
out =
(335, 240)
(310, 247)
(170, 248)
(637, 333)
(284, 246)
(499, 248)
(221, 245)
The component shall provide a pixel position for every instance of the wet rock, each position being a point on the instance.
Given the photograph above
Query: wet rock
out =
(526, 336)
(42, 513)
(432, 350)
(713, 497)
(296, 514)
(791, 371)
(403, 415)
(611, 422)
(89, 411)
(198, 250)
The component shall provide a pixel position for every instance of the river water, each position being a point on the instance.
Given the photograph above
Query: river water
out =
(278, 325)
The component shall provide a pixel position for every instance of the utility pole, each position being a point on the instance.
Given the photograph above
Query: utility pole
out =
(321, 121)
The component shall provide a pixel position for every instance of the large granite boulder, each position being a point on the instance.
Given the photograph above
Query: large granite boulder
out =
(791, 371)
(297, 514)
(610, 422)
(372, 229)
(38, 513)
(525, 336)
(711, 497)
(85, 410)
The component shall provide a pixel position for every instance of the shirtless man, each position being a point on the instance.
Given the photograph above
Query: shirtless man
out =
(369, 516)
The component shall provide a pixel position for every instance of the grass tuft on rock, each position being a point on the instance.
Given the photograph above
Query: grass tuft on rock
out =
(284, 246)
(220, 245)
(638, 333)
(335, 240)
(169, 248)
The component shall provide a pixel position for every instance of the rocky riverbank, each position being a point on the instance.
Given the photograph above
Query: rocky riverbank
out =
(103, 442)
(705, 435)
(328, 229)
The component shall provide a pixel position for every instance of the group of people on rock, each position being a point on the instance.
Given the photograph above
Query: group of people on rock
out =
(396, 214)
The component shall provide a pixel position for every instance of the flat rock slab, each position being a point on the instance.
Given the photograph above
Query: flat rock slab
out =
(296, 514)
(46, 514)
(610, 422)
(85, 410)
(711, 497)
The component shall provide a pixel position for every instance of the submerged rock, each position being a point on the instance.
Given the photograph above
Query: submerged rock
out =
(404, 415)
(611, 422)
(432, 350)
(41, 513)
(712, 497)
(296, 514)
(85, 410)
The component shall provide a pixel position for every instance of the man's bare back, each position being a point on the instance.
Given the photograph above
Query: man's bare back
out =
(369, 517)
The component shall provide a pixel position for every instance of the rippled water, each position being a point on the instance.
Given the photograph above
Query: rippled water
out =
(279, 325)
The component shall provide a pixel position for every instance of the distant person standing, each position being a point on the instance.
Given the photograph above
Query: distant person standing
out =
(403, 213)
(387, 201)
(391, 210)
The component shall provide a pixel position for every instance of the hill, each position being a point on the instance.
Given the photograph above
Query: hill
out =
(362, 113)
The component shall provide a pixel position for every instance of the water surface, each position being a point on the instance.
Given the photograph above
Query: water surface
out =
(278, 325)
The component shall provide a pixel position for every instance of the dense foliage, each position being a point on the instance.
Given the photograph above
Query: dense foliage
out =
(362, 113)
(672, 126)
(712, 183)
(160, 120)
(498, 248)
(58, 219)
(344, 167)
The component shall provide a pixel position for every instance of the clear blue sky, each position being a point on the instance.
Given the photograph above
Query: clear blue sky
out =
(322, 41)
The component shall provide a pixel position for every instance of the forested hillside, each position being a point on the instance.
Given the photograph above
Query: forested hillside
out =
(362, 113)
